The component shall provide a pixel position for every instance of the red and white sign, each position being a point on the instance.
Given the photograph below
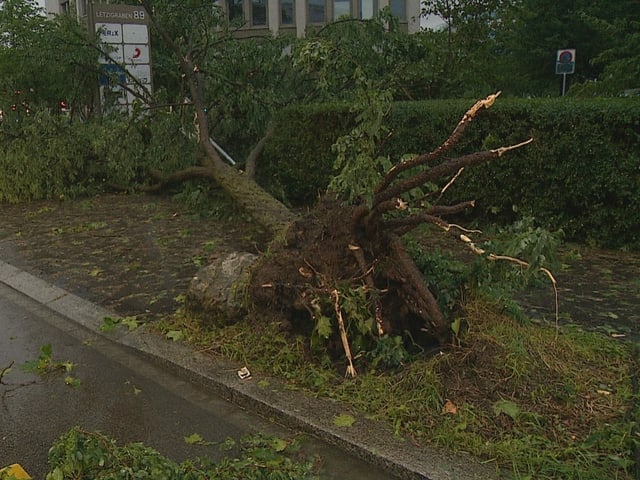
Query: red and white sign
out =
(136, 54)
(566, 56)
(565, 61)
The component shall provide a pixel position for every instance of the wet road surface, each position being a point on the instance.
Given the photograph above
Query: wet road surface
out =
(120, 394)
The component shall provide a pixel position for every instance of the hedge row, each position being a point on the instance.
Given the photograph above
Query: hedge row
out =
(581, 174)
(47, 156)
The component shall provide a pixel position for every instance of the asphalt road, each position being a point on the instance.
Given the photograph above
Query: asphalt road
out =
(120, 394)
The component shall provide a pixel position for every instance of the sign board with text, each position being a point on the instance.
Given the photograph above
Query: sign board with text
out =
(126, 58)
(565, 61)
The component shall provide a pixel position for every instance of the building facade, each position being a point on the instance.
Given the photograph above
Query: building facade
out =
(56, 7)
(258, 17)
(297, 16)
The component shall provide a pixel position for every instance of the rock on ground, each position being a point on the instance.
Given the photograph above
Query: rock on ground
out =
(219, 289)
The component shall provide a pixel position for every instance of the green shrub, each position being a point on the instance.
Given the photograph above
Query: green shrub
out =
(581, 174)
(297, 163)
(42, 159)
(44, 155)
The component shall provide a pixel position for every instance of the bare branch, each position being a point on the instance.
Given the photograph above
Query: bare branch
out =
(190, 71)
(451, 182)
(381, 204)
(252, 158)
(517, 261)
(402, 226)
(427, 307)
(351, 371)
(449, 143)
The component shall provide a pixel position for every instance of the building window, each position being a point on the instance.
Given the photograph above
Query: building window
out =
(341, 8)
(286, 12)
(316, 11)
(236, 14)
(258, 12)
(368, 8)
(399, 9)
(81, 6)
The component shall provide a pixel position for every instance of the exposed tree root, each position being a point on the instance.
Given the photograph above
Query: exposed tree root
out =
(361, 247)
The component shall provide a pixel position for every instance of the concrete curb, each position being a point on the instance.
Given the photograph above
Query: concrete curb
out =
(367, 439)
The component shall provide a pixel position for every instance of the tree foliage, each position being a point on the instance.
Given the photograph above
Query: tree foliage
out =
(511, 44)
(43, 61)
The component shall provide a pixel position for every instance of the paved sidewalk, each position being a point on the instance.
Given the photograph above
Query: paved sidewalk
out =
(372, 441)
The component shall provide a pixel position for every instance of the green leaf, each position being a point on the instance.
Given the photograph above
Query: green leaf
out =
(279, 445)
(175, 335)
(196, 439)
(455, 326)
(55, 475)
(109, 324)
(228, 444)
(323, 327)
(96, 272)
(72, 381)
(509, 408)
(130, 322)
(344, 420)
(68, 366)
(43, 364)
(30, 366)
(46, 350)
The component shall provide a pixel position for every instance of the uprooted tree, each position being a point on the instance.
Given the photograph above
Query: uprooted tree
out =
(346, 254)
(342, 247)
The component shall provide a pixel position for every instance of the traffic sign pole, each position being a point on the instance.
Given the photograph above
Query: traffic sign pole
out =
(565, 64)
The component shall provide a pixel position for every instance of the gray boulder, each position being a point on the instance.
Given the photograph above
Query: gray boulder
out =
(218, 291)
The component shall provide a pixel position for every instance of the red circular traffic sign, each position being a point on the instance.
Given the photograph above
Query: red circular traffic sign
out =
(565, 56)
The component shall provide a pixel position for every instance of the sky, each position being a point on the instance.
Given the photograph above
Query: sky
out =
(432, 22)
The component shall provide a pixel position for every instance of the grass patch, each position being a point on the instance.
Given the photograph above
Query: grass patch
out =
(570, 392)
(85, 454)
(540, 402)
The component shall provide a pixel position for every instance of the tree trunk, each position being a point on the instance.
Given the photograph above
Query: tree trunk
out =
(263, 207)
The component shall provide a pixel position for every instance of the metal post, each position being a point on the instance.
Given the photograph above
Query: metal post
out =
(564, 83)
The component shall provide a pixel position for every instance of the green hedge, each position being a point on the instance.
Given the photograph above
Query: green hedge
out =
(297, 162)
(46, 155)
(581, 174)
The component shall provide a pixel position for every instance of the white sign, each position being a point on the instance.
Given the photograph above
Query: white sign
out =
(134, 33)
(135, 54)
(142, 73)
(110, 32)
(126, 63)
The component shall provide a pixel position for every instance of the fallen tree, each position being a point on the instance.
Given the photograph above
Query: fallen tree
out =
(344, 259)
(312, 272)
